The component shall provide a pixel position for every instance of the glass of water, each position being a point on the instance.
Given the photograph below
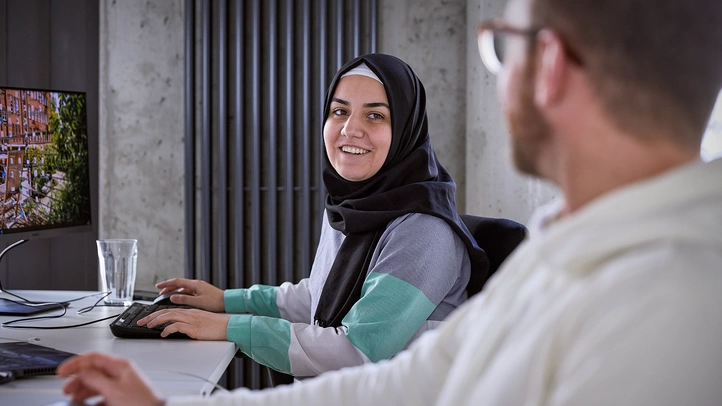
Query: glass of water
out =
(117, 259)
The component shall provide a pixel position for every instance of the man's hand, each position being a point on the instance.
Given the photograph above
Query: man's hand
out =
(116, 379)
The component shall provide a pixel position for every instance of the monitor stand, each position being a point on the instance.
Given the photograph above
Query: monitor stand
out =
(21, 307)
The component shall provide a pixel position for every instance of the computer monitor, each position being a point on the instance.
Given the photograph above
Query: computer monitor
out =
(44, 165)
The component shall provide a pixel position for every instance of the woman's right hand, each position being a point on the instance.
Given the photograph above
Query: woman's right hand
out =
(202, 294)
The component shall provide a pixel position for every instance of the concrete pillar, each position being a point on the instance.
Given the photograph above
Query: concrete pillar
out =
(141, 132)
(438, 40)
(430, 36)
(494, 187)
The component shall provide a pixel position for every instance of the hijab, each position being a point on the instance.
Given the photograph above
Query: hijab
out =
(411, 180)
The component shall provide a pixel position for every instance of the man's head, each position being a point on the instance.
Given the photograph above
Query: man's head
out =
(589, 86)
(649, 61)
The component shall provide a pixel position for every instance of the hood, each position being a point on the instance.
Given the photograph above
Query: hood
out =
(681, 206)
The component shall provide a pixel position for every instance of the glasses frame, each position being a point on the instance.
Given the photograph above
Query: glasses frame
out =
(487, 49)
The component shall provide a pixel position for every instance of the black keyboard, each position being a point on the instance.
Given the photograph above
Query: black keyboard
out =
(125, 325)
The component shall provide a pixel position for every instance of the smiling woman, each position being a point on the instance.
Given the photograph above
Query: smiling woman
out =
(394, 258)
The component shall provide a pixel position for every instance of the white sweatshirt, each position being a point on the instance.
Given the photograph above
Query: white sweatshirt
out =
(619, 303)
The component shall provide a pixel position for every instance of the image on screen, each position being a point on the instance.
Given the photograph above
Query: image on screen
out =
(44, 168)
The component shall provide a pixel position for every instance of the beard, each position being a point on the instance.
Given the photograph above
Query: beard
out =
(529, 129)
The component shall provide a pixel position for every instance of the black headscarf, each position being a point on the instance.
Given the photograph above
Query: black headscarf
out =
(411, 180)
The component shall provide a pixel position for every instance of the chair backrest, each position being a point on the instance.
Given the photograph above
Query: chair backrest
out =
(498, 237)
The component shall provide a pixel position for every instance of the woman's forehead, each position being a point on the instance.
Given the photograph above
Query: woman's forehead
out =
(360, 87)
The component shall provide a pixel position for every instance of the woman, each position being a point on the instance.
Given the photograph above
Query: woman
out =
(393, 260)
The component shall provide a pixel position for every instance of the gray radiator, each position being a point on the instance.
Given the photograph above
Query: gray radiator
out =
(256, 76)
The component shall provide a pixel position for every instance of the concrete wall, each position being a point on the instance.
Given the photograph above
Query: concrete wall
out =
(494, 187)
(431, 37)
(141, 132)
(141, 135)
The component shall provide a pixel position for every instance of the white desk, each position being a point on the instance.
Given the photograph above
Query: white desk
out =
(166, 362)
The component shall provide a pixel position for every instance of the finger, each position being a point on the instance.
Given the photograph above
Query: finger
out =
(177, 328)
(82, 393)
(77, 390)
(174, 284)
(190, 300)
(87, 384)
(159, 317)
(166, 283)
(89, 361)
(153, 316)
(94, 383)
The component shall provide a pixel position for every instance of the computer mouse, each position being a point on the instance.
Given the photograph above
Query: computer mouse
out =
(164, 299)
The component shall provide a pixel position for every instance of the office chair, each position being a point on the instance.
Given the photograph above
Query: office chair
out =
(498, 237)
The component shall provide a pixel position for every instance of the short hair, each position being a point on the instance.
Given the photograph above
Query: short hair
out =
(651, 62)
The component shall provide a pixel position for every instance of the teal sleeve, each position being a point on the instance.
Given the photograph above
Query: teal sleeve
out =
(388, 314)
(258, 299)
(264, 339)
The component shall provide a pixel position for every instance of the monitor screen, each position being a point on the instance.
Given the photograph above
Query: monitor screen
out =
(44, 168)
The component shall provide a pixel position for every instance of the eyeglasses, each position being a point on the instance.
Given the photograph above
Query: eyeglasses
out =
(492, 44)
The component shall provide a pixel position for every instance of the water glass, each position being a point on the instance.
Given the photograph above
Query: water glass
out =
(117, 259)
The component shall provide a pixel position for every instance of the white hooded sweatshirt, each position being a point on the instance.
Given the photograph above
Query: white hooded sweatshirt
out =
(619, 303)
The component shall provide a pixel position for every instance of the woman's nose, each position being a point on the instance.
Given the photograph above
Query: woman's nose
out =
(352, 128)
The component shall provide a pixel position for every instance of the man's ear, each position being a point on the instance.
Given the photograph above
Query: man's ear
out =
(552, 68)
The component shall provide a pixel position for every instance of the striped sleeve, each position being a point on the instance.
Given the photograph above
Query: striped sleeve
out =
(417, 265)
(288, 301)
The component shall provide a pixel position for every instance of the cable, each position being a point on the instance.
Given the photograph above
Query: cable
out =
(94, 305)
(10, 324)
(25, 302)
(215, 384)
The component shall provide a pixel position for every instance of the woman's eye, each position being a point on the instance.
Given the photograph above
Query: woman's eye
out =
(338, 112)
(376, 116)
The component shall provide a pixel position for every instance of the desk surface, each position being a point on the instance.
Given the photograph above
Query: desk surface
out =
(174, 366)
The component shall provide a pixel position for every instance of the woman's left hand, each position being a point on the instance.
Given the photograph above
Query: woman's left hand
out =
(194, 323)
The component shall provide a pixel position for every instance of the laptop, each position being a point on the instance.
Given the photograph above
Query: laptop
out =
(21, 359)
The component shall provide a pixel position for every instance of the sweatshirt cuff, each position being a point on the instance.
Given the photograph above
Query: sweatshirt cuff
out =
(234, 301)
(239, 331)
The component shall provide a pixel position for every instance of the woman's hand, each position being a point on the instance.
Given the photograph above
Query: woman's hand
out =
(116, 379)
(203, 295)
(194, 323)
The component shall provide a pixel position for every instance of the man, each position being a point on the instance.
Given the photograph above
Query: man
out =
(616, 298)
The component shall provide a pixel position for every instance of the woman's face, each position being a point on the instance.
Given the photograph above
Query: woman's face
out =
(357, 132)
